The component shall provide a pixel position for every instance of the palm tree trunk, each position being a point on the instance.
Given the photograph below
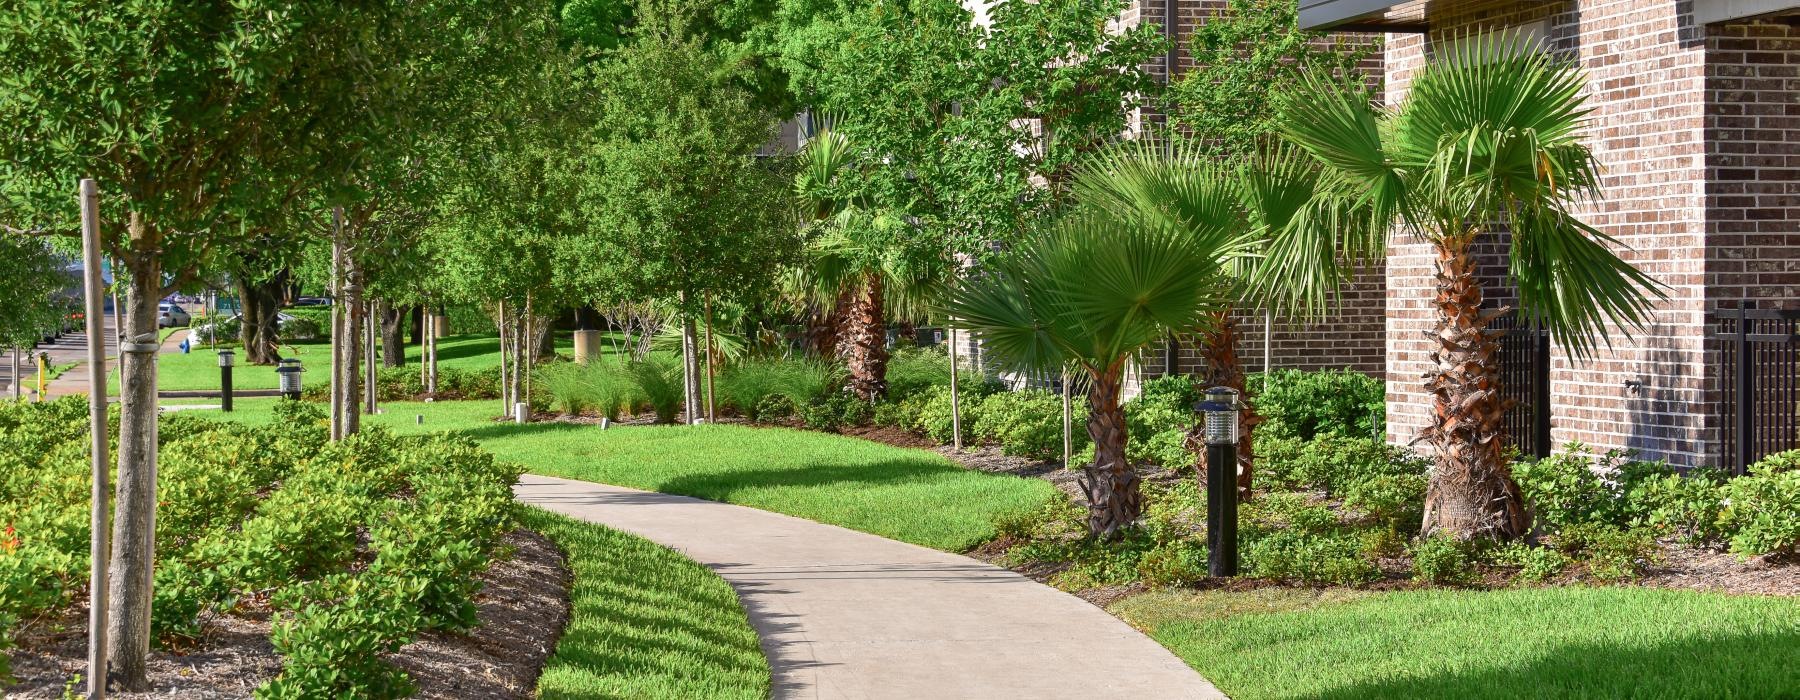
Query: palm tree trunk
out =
(1472, 492)
(1112, 486)
(393, 334)
(1218, 347)
(863, 343)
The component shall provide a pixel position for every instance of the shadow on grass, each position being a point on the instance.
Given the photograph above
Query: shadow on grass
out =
(1752, 665)
(458, 348)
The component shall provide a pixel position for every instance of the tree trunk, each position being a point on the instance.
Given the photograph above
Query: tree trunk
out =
(393, 340)
(690, 368)
(1218, 347)
(134, 521)
(1112, 485)
(1472, 492)
(415, 324)
(863, 342)
(259, 329)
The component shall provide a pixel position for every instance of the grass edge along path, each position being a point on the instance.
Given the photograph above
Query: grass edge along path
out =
(907, 494)
(645, 622)
(1573, 642)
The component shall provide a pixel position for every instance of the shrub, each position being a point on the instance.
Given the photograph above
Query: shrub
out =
(1335, 558)
(912, 371)
(1026, 424)
(805, 381)
(1610, 553)
(831, 413)
(776, 406)
(1174, 564)
(658, 382)
(1576, 488)
(1157, 422)
(1535, 564)
(1335, 463)
(1686, 506)
(1762, 509)
(1443, 561)
(567, 384)
(1276, 512)
(746, 385)
(300, 327)
(935, 419)
(1397, 501)
(1305, 405)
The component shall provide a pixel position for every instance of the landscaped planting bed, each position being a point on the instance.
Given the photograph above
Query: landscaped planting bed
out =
(348, 551)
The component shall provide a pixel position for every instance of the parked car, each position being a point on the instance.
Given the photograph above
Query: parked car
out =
(171, 316)
(312, 301)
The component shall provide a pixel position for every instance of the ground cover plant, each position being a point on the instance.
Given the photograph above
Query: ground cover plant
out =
(646, 622)
(353, 547)
(1544, 643)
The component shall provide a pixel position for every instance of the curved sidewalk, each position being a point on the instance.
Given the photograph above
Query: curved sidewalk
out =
(843, 614)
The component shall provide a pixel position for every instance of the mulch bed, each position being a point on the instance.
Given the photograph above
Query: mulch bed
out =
(522, 610)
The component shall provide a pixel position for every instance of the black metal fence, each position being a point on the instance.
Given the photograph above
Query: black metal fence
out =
(1525, 384)
(1760, 378)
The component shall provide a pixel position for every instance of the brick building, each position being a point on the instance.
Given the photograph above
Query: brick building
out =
(1353, 337)
(1697, 127)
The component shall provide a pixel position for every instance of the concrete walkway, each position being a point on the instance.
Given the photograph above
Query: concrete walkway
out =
(843, 614)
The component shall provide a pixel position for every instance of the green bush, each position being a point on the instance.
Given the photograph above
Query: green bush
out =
(934, 419)
(1027, 424)
(1397, 501)
(567, 385)
(1305, 405)
(1173, 564)
(1443, 561)
(913, 371)
(1334, 463)
(659, 384)
(834, 412)
(1685, 506)
(1611, 553)
(1294, 554)
(1535, 564)
(358, 544)
(1762, 513)
(1576, 488)
(745, 386)
(1158, 420)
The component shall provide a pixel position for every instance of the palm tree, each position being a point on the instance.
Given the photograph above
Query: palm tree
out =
(863, 263)
(1485, 144)
(1091, 291)
(1274, 200)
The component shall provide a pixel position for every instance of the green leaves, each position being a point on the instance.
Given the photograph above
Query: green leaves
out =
(1093, 289)
(1486, 141)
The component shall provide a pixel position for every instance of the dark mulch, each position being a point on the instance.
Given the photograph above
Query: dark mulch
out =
(1710, 570)
(522, 610)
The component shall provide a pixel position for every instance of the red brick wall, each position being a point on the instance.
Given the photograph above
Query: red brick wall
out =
(1753, 163)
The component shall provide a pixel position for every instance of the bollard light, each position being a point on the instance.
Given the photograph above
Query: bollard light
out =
(1219, 411)
(289, 374)
(227, 358)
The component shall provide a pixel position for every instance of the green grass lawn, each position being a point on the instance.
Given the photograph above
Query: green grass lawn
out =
(905, 494)
(646, 622)
(1533, 643)
(199, 370)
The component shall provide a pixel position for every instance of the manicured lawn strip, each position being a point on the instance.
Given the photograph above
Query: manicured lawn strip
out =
(1537, 643)
(904, 494)
(646, 622)
(198, 370)
(908, 495)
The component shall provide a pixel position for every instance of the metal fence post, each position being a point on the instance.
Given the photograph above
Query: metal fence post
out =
(1745, 394)
(1540, 415)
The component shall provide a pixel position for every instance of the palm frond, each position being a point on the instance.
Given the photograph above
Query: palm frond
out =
(1572, 283)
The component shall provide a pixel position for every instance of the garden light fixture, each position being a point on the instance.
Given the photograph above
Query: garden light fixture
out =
(227, 358)
(1219, 409)
(289, 374)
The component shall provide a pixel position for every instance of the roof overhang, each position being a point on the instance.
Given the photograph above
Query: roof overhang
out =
(1402, 16)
